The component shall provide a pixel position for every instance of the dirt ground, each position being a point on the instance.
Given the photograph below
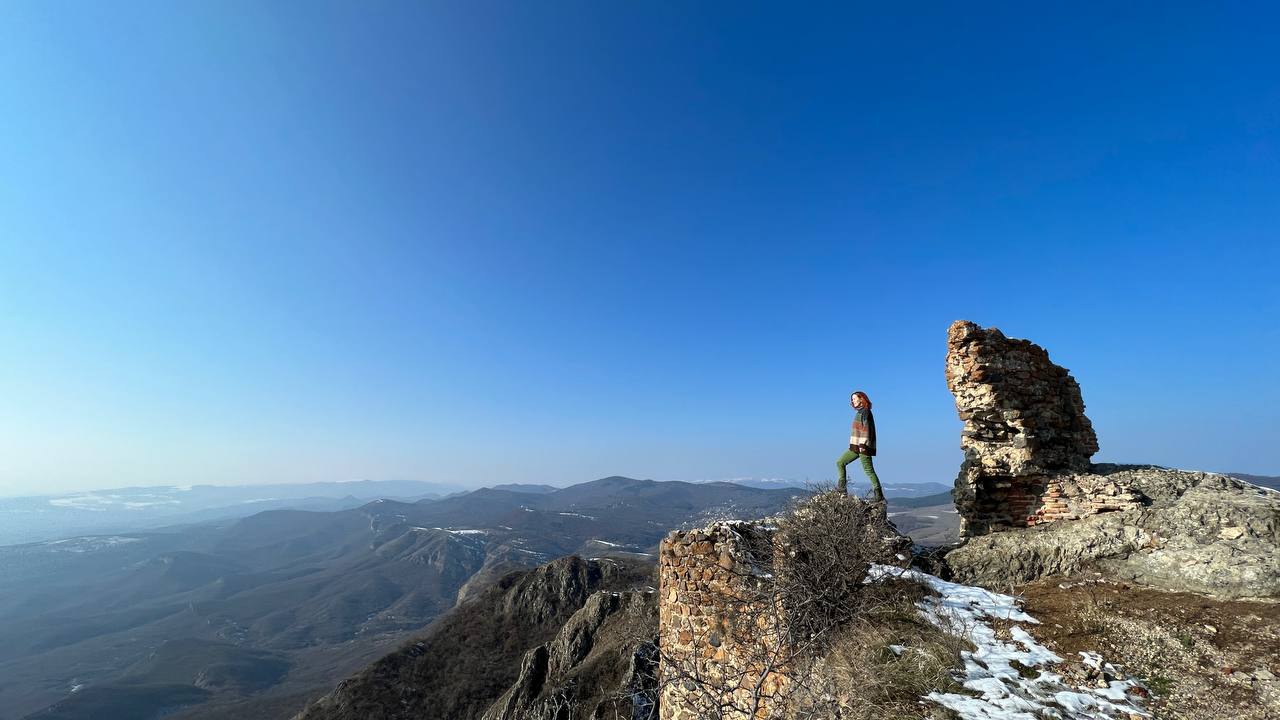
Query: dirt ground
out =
(1200, 657)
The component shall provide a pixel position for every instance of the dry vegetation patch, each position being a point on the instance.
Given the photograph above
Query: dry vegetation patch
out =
(1201, 657)
(881, 665)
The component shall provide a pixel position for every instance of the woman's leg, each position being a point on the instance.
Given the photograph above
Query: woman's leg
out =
(848, 457)
(870, 469)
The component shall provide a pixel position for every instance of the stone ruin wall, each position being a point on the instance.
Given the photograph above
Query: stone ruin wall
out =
(710, 635)
(1026, 440)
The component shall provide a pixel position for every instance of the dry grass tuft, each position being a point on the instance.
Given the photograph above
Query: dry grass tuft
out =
(862, 677)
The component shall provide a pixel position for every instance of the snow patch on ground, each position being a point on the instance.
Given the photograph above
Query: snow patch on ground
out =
(1002, 692)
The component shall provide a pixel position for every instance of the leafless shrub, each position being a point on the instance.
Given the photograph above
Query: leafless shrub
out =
(826, 545)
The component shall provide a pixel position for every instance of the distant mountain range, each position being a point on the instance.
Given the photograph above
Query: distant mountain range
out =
(131, 509)
(49, 517)
(252, 617)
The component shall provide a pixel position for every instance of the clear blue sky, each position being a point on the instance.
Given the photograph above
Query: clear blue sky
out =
(546, 242)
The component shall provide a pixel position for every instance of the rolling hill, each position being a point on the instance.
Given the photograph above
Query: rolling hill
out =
(272, 609)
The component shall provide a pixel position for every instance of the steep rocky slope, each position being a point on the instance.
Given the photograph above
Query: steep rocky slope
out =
(509, 645)
(600, 665)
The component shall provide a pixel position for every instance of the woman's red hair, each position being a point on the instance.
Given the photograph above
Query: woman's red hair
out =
(866, 401)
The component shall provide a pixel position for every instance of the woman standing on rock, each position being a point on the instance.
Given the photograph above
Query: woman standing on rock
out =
(862, 444)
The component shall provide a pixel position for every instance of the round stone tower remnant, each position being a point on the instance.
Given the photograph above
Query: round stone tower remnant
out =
(717, 632)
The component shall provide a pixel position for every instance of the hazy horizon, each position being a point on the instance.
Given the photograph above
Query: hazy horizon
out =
(247, 244)
(466, 486)
(560, 484)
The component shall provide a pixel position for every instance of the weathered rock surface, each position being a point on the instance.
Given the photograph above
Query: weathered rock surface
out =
(1023, 414)
(1191, 531)
(598, 663)
(472, 656)
(1024, 424)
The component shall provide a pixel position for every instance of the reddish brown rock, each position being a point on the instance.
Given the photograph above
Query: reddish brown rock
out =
(1027, 442)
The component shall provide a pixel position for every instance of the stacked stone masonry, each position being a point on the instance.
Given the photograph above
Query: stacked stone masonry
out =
(1028, 501)
(1026, 439)
(714, 628)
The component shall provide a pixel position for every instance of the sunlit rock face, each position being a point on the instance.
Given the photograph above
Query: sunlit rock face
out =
(1032, 505)
(1023, 414)
(1026, 439)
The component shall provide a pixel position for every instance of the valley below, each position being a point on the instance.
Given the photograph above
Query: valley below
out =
(253, 617)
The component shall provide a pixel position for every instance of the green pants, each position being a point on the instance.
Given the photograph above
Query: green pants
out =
(848, 457)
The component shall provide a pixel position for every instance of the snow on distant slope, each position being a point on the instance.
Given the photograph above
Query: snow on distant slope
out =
(37, 518)
(88, 544)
